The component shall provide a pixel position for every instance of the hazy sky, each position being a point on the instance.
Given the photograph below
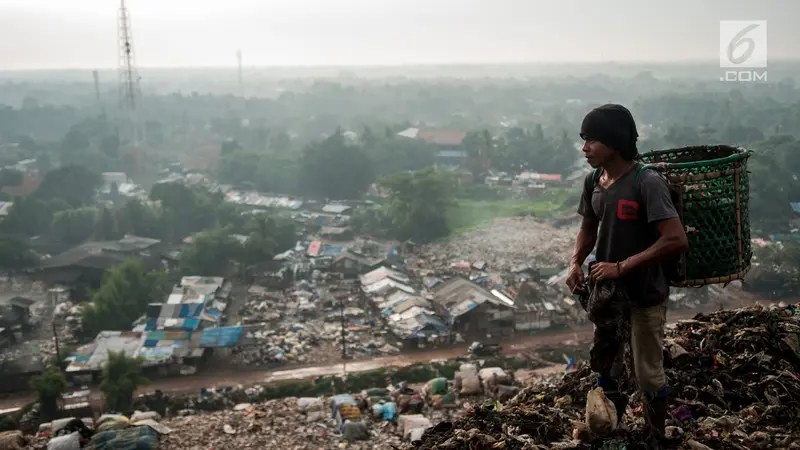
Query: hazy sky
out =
(38, 34)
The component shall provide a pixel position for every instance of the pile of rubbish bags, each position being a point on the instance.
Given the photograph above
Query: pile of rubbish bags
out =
(141, 431)
(278, 345)
(734, 384)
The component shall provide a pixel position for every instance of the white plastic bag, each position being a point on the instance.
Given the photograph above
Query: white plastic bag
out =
(601, 415)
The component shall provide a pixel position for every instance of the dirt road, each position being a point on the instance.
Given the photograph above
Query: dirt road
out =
(221, 378)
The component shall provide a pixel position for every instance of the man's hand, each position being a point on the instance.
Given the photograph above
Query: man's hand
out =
(606, 271)
(575, 281)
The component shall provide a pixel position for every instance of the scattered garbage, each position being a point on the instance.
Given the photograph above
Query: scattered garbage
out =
(109, 432)
(293, 423)
(504, 245)
(734, 385)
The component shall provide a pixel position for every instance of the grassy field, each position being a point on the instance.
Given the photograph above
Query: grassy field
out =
(474, 214)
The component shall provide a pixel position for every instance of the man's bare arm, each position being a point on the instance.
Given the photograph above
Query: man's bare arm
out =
(584, 243)
(671, 241)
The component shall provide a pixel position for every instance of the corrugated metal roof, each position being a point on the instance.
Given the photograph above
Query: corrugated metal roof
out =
(335, 208)
(442, 137)
(385, 284)
(409, 133)
(221, 337)
(93, 356)
(381, 273)
(314, 248)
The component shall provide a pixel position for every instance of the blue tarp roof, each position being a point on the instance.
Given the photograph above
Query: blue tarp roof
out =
(795, 206)
(332, 250)
(427, 321)
(221, 336)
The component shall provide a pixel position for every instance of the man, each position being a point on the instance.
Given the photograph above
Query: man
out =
(631, 217)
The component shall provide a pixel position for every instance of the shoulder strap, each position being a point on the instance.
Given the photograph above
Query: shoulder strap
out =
(596, 175)
(638, 190)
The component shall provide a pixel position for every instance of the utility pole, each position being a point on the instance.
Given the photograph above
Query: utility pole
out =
(344, 330)
(344, 334)
(58, 351)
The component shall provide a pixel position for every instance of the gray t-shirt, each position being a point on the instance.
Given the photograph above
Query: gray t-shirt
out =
(628, 227)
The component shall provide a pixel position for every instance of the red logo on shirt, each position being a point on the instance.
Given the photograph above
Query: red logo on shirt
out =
(627, 210)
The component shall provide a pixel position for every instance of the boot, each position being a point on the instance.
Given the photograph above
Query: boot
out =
(620, 402)
(655, 417)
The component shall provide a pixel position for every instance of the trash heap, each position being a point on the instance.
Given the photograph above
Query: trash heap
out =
(343, 421)
(504, 245)
(734, 384)
(305, 325)
(38, 344)
(142, 430)
(284, 343)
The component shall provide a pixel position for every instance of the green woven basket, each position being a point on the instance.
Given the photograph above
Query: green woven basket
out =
(714, 191)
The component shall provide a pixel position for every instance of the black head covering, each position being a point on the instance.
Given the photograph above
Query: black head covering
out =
(613, 125)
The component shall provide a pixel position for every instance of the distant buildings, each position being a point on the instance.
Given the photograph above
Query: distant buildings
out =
(450, 143)
(86, 264)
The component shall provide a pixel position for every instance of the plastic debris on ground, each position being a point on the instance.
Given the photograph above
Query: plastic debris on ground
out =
(292, 423)
(505, 244)
(141, 431)
(734, 384)
(303, 324)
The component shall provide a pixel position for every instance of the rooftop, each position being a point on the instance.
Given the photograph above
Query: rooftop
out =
(442, 137)
(101, 255)
(335, 208)
(459, 295)
(93, 356)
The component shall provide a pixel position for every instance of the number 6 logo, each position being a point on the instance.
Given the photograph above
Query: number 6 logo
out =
(738, 40)
(743, 43)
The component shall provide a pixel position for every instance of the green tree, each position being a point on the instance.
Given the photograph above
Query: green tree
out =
(119, 380)
(229, 146)
(10, 177)
(210, 253)
(49, 387)
(15, 254)
(186, 210)
(29, 216)
(333, 169)
(419, 203)
(140, 219)
(105, 229)
(123, 297)
(397, 154)
(75, 185)
(74, 226)
(237, 167)
(480, 148)
(267, 234)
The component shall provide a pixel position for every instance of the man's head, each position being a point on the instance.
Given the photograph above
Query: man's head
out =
(609, 132)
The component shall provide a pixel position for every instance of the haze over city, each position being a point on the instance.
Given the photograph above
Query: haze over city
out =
(53, 34)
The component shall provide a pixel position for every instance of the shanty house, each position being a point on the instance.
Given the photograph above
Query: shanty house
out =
(471, 309)
(383, 280)
(162, 353)
(538, 307)
(351, 265)
(197, 302)
(86, 264)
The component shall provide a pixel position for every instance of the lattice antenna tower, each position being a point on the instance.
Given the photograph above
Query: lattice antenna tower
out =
(128, 78)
